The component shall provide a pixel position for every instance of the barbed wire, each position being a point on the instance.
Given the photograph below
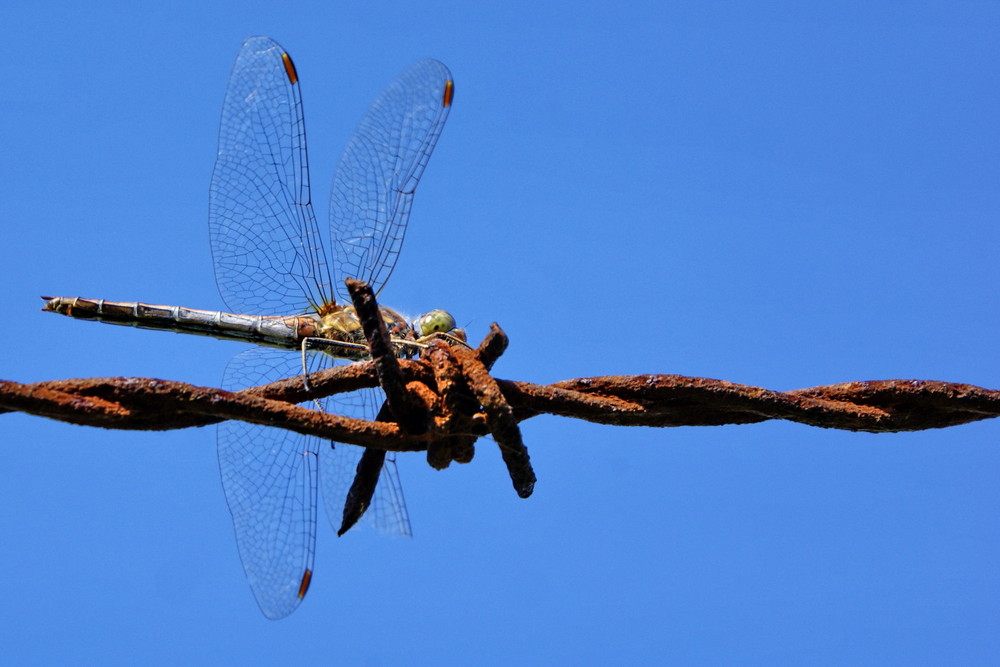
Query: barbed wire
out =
(446, 400)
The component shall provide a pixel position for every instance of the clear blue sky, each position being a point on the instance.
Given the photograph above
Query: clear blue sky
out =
(781, 194)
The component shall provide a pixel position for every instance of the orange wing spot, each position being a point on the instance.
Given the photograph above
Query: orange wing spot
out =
(304, 586)
(293, 76)
(449, 92)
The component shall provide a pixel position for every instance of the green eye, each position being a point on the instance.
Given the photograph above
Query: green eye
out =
(436, 321)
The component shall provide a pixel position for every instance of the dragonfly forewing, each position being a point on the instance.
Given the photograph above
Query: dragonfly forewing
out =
(266, 245)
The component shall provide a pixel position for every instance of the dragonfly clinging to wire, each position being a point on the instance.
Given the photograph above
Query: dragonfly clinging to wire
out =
(270, 260)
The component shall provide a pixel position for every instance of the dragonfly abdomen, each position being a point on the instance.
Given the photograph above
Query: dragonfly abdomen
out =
(283, 332)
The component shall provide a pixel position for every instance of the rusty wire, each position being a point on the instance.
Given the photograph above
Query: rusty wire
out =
(444, 401)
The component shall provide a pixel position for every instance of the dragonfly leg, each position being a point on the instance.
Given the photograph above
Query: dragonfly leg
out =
(331, 346)
(305, 367)
(449, 338)
(323, 344)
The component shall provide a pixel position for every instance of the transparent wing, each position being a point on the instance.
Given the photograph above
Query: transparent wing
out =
(270, 480)
(379, 170)
(338, 463)
(266, 247)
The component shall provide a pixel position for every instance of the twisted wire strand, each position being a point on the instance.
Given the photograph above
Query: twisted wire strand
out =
(882, 406)
(447, 399)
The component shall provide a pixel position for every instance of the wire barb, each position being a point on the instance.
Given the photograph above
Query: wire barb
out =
(400, 403)
(404, 406)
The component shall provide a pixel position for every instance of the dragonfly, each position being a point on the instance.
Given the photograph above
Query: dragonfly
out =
(270, 259)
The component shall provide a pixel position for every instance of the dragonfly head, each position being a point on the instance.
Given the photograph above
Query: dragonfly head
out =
(437, 321)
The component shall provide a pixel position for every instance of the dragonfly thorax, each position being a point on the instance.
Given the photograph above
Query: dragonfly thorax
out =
(342, 324)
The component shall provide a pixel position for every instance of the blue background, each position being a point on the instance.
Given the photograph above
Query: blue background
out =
(779, 194)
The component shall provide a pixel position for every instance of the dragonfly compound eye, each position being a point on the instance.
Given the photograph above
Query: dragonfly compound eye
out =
(436, 321)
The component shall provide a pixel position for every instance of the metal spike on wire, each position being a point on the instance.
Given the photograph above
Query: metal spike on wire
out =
(446, 400)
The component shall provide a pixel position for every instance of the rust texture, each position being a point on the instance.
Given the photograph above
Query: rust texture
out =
(880, 406)
(492, 346)
(447, 400)
(402, 401)
(405, 407)
(501, 421)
